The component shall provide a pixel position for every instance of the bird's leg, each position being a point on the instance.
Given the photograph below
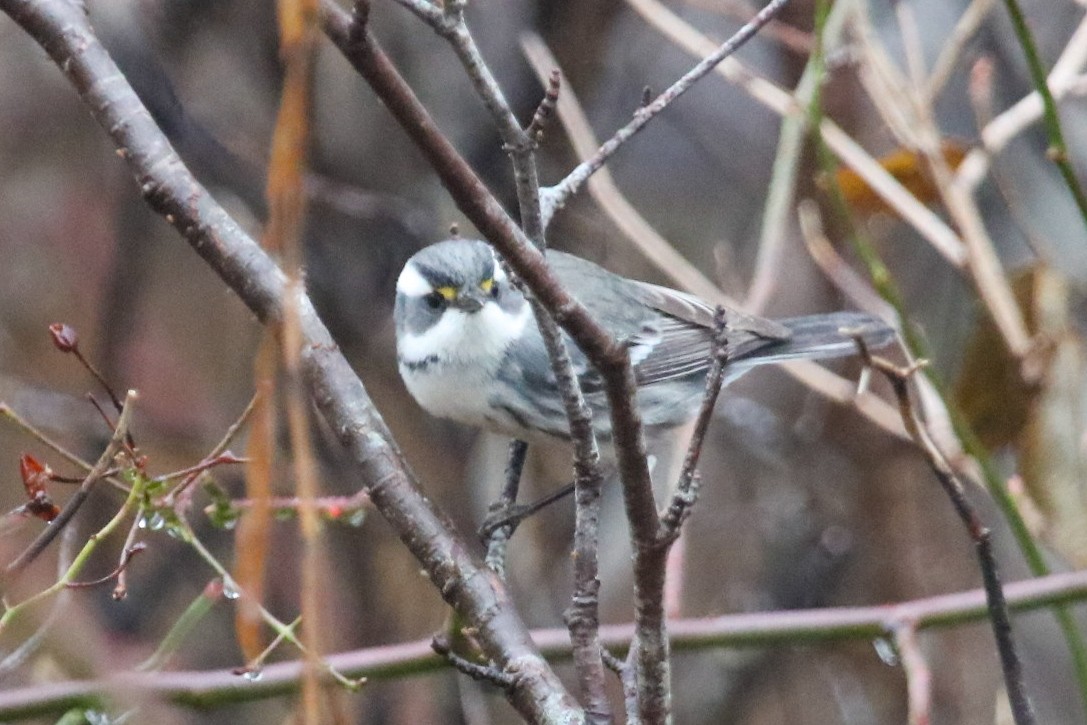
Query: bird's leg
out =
(513, 515)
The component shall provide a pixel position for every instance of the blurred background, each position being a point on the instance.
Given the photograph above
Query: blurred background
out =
(805, 503)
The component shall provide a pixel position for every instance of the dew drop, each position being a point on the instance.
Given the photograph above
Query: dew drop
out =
(253, 675)
(357, 517)
(886, 651)
(230, 590)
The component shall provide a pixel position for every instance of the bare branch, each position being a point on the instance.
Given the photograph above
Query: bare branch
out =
(557, 195)
(759, 629)
(979, 534)
(63, 30)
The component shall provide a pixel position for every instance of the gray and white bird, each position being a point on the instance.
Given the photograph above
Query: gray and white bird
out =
(469, 350)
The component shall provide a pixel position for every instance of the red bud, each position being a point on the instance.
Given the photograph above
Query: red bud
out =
(64, 336)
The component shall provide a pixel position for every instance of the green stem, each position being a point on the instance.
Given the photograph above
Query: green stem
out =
(192, 615)
(131, 503)
(283, 631)
(885, 285)
(1058, 150)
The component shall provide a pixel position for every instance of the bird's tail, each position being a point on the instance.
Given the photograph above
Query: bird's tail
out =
(822, 336)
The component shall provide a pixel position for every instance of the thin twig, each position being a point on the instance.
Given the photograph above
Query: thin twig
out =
(781, 193)
(557, 196)
(835, 268)
(951, 51)
(483, 673)
(1064, 78)
(121, 590)
(7, 412)
(686, 490)
(105, 461)
(998, 609)
(495, 539)
(925, 221)
(126, 557)
(602, 185)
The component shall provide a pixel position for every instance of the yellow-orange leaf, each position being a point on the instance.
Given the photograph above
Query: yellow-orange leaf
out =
(254, 527)
(908, 167)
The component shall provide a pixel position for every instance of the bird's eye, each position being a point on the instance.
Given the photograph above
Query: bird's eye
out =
(434, 300)
(489, 287)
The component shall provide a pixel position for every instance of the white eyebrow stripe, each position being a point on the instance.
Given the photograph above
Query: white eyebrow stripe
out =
(412, 283)
(499, 273)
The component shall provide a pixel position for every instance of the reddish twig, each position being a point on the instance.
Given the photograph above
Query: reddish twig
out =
(97, 473)
(126, 557)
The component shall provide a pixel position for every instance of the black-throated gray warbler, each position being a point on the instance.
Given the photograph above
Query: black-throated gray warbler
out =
(468, 347)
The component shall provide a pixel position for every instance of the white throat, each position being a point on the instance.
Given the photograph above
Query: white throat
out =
(449, 367)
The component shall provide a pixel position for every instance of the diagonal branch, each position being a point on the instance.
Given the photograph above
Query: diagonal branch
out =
(63, 30)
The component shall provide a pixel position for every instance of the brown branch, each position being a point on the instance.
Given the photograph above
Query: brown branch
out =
(496, 538)
(610, 358)
(979, 533)
(204, 689)
(62, 29)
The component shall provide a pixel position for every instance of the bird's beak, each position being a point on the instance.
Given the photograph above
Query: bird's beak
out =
(469, 302)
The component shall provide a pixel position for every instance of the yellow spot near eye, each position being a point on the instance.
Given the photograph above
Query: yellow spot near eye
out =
(448, 293)
(486, 285)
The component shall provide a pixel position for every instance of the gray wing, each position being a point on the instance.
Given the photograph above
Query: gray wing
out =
(670, 333)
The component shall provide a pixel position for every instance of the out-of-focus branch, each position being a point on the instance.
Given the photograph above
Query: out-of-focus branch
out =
(1063, 80)
(299, 33)
(1058, 149)
(206, 689)
(777, 213)
(902, 105)
(557, 195)
(918, 674)
(928, 224)
(950, 54)
(63, 30)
